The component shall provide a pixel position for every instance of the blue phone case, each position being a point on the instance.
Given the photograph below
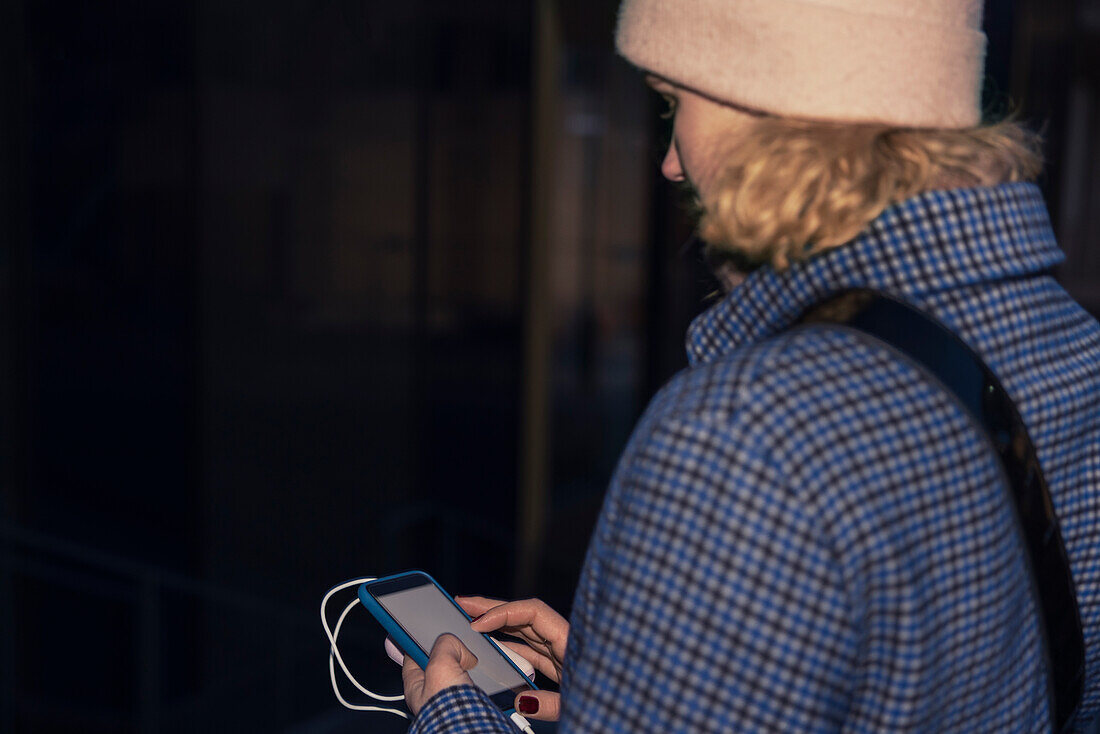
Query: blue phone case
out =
(403, 640)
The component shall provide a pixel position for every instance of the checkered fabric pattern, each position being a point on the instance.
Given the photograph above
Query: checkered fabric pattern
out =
(461, 708)
(803, 534)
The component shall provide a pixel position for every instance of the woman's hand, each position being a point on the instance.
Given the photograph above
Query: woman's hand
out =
(447, 666)
(546, 633)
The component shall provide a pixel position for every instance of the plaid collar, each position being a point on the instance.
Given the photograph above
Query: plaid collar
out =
(931, 242)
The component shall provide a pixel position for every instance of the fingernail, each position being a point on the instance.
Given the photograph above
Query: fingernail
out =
(528, 705)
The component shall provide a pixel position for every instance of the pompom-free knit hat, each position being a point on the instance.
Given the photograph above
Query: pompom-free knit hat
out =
(910, 63)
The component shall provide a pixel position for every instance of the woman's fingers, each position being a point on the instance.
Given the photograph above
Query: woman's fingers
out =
(539, 705)
(531, 619)
(543, 663)
(523, 613)
(477, 605)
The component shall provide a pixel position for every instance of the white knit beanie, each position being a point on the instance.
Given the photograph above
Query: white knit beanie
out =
(910, 63)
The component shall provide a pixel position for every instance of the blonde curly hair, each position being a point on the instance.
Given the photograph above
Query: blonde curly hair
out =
(789, 189)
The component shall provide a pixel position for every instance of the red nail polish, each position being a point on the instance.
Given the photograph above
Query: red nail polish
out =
(528, 705)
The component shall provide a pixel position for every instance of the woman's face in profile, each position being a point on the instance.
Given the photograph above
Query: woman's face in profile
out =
(701, 129)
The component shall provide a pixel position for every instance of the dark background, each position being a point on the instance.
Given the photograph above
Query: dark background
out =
(295, 292)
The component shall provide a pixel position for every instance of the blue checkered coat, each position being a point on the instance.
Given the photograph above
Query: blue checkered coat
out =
(803, 534)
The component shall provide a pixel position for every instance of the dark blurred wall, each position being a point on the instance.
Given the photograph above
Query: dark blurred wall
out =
(1056, 79)
(110, 278)
(361, 210)
(104, 355)
(266, 324)
(361, 222)
(266, 263)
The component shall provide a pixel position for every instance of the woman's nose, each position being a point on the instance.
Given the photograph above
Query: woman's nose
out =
(670, 166)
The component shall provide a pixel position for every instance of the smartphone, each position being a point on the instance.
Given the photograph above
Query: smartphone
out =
(415, 610)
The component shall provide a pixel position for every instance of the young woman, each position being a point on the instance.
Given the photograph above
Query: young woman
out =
(805, 533)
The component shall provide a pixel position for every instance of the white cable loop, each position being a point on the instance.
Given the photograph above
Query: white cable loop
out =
(334, 652)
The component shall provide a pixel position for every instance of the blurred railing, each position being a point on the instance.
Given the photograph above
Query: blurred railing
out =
(76, 568)
(291, 634)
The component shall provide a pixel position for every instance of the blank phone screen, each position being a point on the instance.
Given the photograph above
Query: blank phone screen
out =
(425, 613)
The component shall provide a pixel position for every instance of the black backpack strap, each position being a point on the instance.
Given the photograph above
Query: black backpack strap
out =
(944, 356)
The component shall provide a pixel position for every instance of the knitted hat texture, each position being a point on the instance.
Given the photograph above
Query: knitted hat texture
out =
(910, 63)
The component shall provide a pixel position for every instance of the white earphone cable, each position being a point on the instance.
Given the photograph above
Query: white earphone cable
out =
(519, 721)
(334, 652)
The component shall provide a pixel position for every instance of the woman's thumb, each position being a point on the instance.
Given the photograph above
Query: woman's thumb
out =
(450, 648)
(539, 705)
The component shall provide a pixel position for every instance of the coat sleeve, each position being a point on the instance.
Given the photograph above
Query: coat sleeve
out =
(709, 601)
(461, 710)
